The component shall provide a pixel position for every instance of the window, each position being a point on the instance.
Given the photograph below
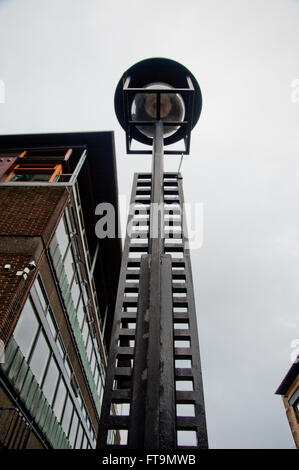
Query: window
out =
(62, 236)
(67, 416)
(39, 357)
(60, 399)
(26, 329)
(30, 172)
(74, 427)
(51, 380)
(43, 361)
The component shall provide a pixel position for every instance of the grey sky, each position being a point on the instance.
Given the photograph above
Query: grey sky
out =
(61, 60)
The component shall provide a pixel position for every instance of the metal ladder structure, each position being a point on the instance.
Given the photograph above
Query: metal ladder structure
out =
(153, 395)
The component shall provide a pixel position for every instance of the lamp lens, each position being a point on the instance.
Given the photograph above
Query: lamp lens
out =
(144, 108)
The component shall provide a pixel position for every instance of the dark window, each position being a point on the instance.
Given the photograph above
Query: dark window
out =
(26, 329)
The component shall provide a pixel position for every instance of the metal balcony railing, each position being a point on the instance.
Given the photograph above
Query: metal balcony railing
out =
(23, 381)
(14, 429)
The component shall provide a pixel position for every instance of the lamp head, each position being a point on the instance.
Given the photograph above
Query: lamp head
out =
(158, 77)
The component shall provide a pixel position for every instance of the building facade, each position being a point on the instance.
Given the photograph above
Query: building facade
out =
(289, 391)
(58, 285)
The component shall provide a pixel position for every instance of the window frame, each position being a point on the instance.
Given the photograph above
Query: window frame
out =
(52, 169)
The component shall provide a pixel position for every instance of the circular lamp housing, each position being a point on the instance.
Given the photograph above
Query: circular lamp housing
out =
(157, 73)
(144, 108)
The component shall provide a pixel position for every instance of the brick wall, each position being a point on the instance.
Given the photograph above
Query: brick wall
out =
(30, 211)
(26, 214)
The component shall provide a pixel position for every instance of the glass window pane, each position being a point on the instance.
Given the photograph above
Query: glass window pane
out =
(79, 438)
(96, 375)
(80, 313)
(69, 266)
(26, 328)
(75, 291)
(80, 401)
(41, 293)
(68, 367)
(59, 400)
(62, 236)
(73, 431)
(89, 347)
(60, 347)
(51, 323)
(92, 362)
(30, 176)
(85, 332)
(51, 380)
(40, 356)
(84, 443)
(67, 415)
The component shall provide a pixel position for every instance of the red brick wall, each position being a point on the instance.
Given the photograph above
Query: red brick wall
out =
(30, 211)
(24, 212)
(12, 291)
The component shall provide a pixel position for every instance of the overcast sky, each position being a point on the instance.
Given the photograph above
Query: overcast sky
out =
(60, 61)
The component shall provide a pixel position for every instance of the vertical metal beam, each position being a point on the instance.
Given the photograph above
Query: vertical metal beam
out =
(139, 379)
(152, 415)
(200, 417)
(167, 379)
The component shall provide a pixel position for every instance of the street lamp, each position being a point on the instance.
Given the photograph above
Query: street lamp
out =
(158, 89)
(154, 345)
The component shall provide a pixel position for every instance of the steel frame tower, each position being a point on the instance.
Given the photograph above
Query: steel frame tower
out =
(154, 360)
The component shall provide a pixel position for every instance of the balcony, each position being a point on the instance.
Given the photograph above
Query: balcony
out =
(14, 429)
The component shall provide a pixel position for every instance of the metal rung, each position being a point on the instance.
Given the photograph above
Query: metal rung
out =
(179, 287)
(143, 210)
(122, 372)
(181, 374)
(130, 303)
(134, 262)
(180, 317)
(178, 274)
(174, 248)
(125, 352)
(126, 333)
(187, 397)
(140, 222)
(171, 211)
(178, 263)
(128, 317)
(187, 422)
(141, 200)
(174, 234)
(171, 175)
(171, 192)
(132, 288)
(140, 234)
(171, 201)
(183, 353)
(133, 274)
(181, 334)
(147, 176)
(138, 247)
(180, 302)
(118, 422)
(144, 192)
(120, 396)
